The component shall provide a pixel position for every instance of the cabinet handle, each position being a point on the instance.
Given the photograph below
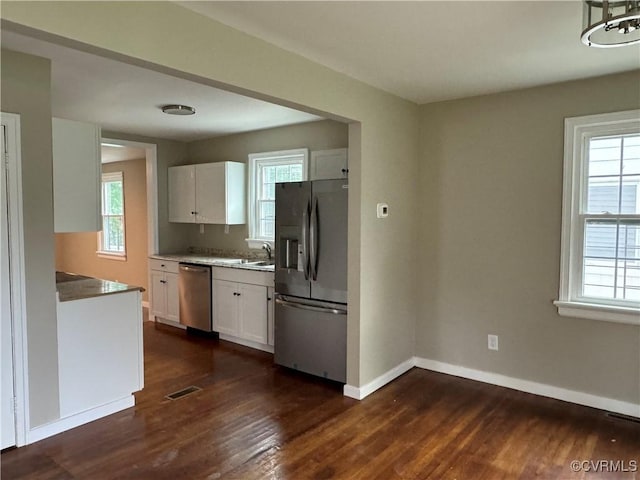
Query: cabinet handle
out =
(163, 281)
(162, 265)
(268, 299)
(193, 213)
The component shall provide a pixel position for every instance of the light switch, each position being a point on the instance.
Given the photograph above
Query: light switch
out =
(383, 210)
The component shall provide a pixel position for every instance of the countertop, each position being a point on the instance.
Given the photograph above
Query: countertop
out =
(76, 287)
(213, 261)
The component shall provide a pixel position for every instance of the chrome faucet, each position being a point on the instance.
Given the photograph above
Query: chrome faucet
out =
(267, 247)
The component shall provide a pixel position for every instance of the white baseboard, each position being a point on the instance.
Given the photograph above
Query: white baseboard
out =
(246, 343)
(67, 423)
(361, 392)
(544, 390)
(145, 304)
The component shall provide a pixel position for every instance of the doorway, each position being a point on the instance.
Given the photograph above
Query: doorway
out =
(13, 348)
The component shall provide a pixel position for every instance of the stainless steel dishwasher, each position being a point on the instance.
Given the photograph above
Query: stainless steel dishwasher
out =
(194, 290)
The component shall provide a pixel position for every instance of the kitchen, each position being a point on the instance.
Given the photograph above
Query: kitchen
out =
(321, 138)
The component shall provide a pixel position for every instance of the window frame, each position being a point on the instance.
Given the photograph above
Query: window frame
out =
(268, 158)
(578, 132)
(101, 252)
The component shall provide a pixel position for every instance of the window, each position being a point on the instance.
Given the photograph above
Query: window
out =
(265, 170)
(600, 258)
(111, 239)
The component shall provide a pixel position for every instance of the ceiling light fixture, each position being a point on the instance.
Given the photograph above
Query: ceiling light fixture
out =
(178, 110)
(608, 24)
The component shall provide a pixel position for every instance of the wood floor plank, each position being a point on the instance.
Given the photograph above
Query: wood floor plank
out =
(254, 420)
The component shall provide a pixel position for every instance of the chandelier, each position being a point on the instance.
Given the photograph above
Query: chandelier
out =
(609, 24)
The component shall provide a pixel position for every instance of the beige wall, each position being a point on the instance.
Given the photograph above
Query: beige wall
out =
(491, 192)
(382, 269)
(26, 90)
(76, 252)
(319, 135)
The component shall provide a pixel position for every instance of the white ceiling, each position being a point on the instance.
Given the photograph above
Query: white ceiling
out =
(423, 51)
(126, 98)
(427, 51)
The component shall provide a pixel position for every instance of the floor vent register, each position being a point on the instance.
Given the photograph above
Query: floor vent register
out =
(183, 393)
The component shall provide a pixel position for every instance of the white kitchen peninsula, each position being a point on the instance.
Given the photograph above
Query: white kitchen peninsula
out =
(100, 355)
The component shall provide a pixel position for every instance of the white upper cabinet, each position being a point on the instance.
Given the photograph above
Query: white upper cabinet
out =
(182, 194)
(329, 164)
(76, 176)
(207, 193)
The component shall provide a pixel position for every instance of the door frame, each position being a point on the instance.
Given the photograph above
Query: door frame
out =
(151, 158)
(11, 121)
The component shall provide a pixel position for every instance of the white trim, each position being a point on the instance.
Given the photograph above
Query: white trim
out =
(121, 257)
(577, 131)
(145, 304)
(251, 186)
(544, 390)
(151, 155)
(361, 392)
(594, 311)
(18, 284)
(247, 343)
(164, 321)
(72, 421)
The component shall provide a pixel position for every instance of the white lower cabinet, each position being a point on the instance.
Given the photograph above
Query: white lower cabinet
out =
(164, 290)
(241, 309)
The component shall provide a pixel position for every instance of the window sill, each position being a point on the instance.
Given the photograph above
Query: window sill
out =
(257, 244)
(122, 257)
(593, 311)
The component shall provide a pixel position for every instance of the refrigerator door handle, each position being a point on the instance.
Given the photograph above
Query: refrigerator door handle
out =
(305, 242)
(313, 240)
(302, 306)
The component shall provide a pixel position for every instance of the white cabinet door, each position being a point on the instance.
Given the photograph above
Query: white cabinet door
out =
(270, 315)
(235, 197)
(207, 193)
(210, 193)
(164, 295)
(158, 294)
(225, 307)
(77, 173)
(253, 312)
(329, 164)
(182, 194)
(173, 302)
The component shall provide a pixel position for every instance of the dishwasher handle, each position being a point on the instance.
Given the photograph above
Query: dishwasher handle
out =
(193, 268)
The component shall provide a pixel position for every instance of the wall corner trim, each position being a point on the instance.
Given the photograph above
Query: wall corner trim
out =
(361, 392)
(72, 421)
(544, 390)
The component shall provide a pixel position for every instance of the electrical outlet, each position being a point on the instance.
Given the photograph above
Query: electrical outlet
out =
(492, 342)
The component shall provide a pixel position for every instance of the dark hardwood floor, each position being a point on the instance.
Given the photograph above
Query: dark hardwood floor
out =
(253, 420)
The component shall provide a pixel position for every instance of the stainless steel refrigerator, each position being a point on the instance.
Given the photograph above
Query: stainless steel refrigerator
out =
(311, 277)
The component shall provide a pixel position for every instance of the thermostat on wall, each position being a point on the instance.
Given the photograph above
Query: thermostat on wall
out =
(383, 210)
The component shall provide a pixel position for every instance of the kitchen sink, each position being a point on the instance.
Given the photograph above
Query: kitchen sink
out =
(244, 261)
(257, 263)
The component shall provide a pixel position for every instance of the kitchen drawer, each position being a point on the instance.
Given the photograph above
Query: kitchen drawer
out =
(163, 265)
(243, 276)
